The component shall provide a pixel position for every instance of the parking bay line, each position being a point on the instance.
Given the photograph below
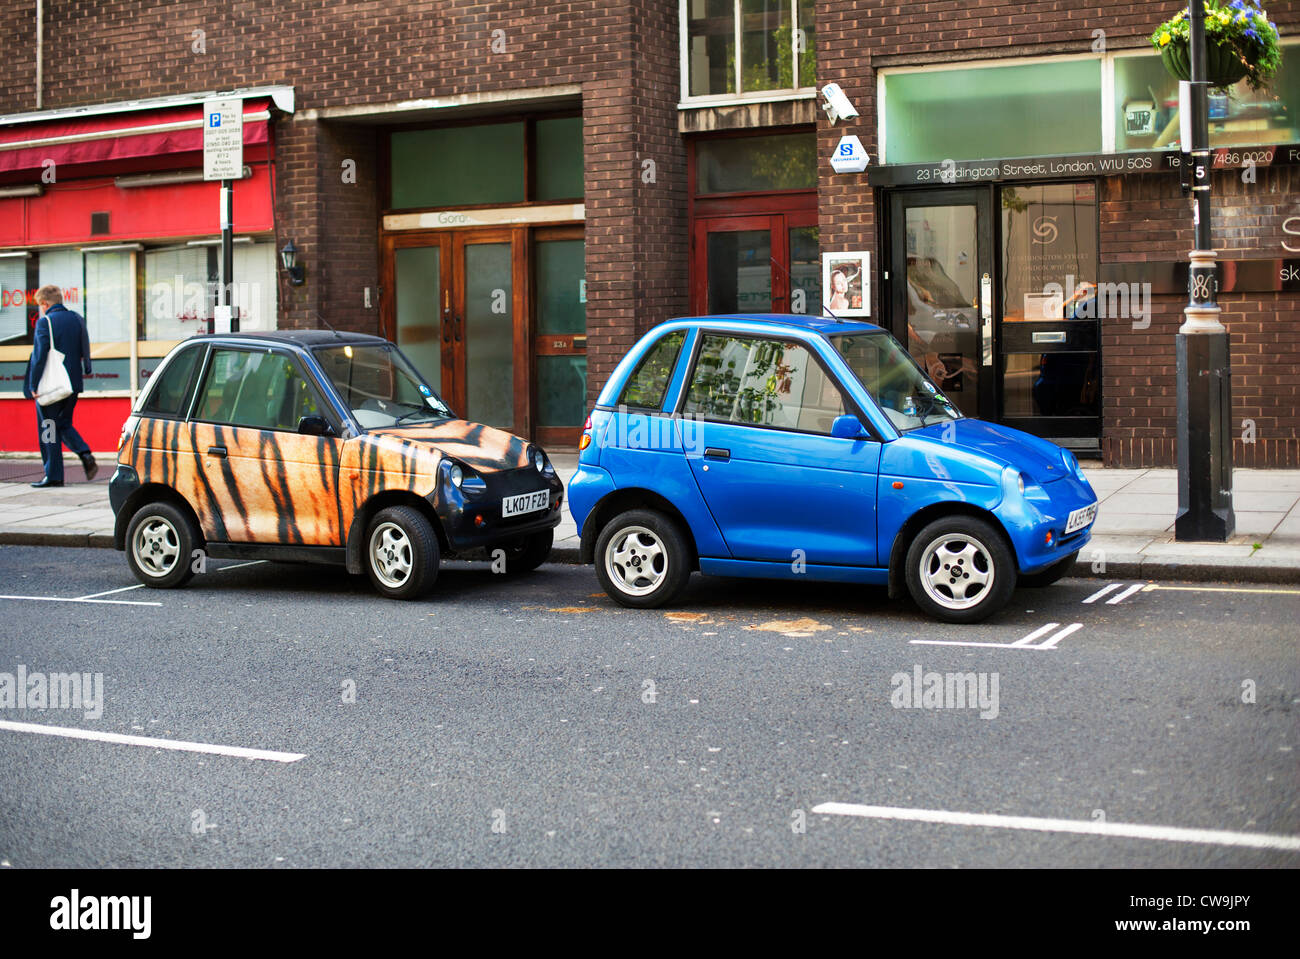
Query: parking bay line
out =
(1102, 592)
(74, 599)
(1022, 643)
(1120, 597)
(1118, 830)
(69, 732)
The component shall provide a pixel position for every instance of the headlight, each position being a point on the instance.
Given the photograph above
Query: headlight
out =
(539, 460)
(1020, 481)
(456, 475)
(1071, 462)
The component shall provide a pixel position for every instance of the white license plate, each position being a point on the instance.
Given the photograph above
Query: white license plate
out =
(1081, 518)
(525, 503)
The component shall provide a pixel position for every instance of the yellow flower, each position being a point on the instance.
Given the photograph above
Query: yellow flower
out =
(1225, 18)
(1165, 38)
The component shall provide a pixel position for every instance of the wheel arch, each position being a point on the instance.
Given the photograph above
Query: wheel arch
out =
(922, 517)
(152, 493)
(380, 501)
(622, 500)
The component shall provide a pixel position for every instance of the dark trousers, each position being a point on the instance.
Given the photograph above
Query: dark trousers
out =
(55, 423)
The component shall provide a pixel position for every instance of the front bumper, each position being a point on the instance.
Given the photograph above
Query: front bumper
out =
(1029, 518)
(472, 519)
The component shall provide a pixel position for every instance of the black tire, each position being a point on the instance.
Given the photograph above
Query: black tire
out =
(401, 553)
(656, 561)
(1048, 576)
(160, 544)
(528, 553)
(947, 555)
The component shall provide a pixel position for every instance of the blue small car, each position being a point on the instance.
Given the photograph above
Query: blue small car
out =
(797, 446)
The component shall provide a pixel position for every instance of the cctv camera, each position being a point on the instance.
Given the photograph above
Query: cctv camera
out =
(837, 105)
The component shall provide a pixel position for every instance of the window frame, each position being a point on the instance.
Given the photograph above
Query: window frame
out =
(191, 386)
(851, 406)
(668, 384)
(1105, 63)
(686, 101)
(327, 406)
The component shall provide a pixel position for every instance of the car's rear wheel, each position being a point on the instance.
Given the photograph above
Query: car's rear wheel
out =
(529, 552)
(1048, 576)
(402, 553)
(642, 559)
(160, 542)
(960, 569)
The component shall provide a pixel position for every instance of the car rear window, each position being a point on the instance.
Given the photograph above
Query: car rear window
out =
(171, 390)
(648, 383)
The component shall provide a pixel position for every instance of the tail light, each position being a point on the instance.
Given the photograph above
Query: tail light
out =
(585, 441)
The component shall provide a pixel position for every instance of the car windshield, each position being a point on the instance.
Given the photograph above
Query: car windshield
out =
(380, 386)
(894, 380)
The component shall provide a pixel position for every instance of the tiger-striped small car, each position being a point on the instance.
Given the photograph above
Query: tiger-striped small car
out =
(316, 446)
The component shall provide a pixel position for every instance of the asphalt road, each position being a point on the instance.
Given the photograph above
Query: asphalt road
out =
(511, 722)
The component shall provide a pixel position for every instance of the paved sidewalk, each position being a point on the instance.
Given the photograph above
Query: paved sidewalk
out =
(1133, 536)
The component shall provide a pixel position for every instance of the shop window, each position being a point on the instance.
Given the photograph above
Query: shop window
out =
(1049, 252)
(458, 166)
(973, 113)
(1147, 115)
(756, 164)
(13, 299)
(178, 292)
(559, 158)
(775, 39)
(109, 289)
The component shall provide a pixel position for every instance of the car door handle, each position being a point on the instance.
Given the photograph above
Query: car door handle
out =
(217, 451)
(713, 453)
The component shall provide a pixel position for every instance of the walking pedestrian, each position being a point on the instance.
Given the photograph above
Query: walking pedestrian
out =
(66, 332)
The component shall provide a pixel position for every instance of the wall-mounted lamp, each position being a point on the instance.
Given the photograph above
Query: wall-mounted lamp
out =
(289, 258)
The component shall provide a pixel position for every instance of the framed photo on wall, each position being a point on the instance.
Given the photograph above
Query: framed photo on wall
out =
(846, 283)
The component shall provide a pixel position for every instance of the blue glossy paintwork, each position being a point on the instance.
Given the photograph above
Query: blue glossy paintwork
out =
(833, 498)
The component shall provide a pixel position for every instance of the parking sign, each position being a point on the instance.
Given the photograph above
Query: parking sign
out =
(223, 139)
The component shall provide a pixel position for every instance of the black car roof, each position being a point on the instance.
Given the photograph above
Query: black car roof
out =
(301, 338)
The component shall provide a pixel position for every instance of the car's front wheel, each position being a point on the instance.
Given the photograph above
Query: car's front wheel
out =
(960, 569)
(642, 559)
(402, 553)
(160, 542)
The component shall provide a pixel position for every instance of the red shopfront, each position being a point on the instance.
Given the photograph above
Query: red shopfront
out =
(108, 203)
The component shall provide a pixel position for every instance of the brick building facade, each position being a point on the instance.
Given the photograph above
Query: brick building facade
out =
(693, 175)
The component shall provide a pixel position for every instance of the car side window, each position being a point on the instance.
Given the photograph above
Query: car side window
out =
(262, 390)
(171, 392)
(762, 382)
(648, 383)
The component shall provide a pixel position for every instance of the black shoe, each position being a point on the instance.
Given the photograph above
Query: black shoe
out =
(90, 466)
(47, 482)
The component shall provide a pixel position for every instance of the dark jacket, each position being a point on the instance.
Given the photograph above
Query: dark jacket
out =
(70, 338)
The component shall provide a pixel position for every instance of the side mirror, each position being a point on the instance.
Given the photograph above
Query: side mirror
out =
(315, 426)
(847, 427)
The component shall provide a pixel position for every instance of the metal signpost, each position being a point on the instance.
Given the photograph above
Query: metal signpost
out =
(1204, 364)
(223, 159)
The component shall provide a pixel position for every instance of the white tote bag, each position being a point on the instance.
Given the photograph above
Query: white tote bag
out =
(54, 384)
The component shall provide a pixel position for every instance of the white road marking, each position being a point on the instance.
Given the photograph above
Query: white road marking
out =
(69, 732)
(1035, 634)
(1057, 637)
(1120, 830)
(1026, 642)
(1120, 597)
(251, 562)
(67, 599)
(108, 592)
(1101, 592)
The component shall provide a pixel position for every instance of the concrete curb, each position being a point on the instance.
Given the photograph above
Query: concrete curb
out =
(1263, 571)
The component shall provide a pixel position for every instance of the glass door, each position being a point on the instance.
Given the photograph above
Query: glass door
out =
(941, 291)
(457, 313)
(765, 263)
(560, 344)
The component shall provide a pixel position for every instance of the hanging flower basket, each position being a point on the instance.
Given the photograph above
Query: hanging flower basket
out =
(1241, 43)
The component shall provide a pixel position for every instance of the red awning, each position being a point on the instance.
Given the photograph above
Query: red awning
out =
(119, 136)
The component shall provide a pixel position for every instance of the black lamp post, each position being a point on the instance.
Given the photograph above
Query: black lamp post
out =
(1204, 365)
